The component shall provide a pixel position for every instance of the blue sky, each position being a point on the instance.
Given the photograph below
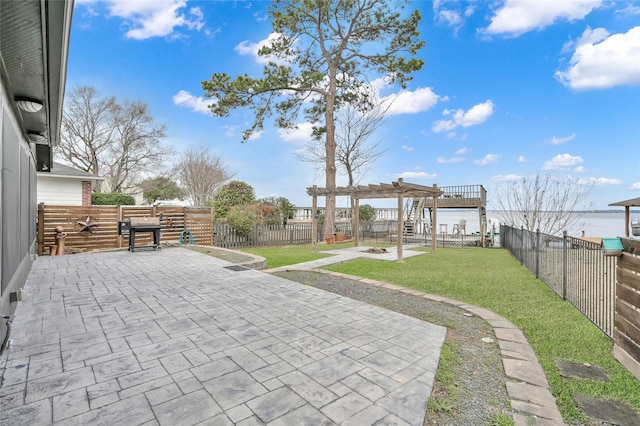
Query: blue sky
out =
(509, 88)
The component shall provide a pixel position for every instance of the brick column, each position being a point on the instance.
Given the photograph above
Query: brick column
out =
(86, 193)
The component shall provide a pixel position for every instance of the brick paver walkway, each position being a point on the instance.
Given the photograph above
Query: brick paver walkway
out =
(173, 337)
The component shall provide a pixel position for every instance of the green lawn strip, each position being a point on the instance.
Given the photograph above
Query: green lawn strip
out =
(493, 279)
(288, 255)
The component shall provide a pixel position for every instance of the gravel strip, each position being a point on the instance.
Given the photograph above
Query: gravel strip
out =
(475, 392)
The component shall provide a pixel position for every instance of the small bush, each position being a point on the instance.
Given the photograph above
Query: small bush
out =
(112, 199)
(243, 219)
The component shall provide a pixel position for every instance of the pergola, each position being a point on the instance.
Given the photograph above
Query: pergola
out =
(399, 190)
(634, 202)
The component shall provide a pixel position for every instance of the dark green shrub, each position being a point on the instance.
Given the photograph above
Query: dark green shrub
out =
(112, 199)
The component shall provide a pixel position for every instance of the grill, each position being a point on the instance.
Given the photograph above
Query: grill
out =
(134, 226)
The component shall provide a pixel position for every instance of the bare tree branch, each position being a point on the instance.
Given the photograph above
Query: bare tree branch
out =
(201, 174)
(542, 203)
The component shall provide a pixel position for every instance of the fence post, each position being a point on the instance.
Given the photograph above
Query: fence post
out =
(537, 252)
(40, 229)
(521, 255)
(565, 262)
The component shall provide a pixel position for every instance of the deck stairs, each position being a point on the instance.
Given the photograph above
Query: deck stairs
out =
(413, 216)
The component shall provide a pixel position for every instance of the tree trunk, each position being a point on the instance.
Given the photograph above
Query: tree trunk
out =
(330, 161)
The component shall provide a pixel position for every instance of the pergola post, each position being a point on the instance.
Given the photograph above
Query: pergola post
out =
(400, 226)
(356, 222)
(434, 220)
(314, 222)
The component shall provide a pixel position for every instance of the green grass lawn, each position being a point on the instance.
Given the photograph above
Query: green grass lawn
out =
(288, 255)
(493, 279)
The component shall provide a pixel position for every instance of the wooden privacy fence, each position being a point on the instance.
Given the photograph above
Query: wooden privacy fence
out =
(90, 228)
(626, 347)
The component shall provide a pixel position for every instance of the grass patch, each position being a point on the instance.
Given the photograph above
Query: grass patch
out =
(445, 390)
(289, 255)
(493, 279)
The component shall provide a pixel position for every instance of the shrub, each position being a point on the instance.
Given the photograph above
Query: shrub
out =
(243, 219)
(112, 199)
(234, 193)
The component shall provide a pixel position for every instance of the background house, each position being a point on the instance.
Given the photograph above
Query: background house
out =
(65, 186)
(34, 39)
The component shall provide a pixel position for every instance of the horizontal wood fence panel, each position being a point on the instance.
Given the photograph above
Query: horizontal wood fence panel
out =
(628, 295)
(104, 235)
(626, 327)
(631, 246)
(629, 279)
(629, 262)
(628, 345)
(627, 330)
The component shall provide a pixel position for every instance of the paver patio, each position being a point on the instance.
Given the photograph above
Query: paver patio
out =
(174, 337)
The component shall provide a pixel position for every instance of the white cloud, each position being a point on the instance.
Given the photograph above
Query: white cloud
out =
(555, 140)
(506, 178)
(452, 18)
(601, 60)
(254, 136)
(443, 160)
(517, 17)
(230, 131)
(580, 169)
(635, 185)
(601, 181)
(476, 115)
(488, 159)
(417, 175)
(463, 151)
(159, 18)
(302, 133)
(451, 13)
(407, 148)
(248, 48)
(411, 102)
(522, 159)
(562, 162)
(197, 104)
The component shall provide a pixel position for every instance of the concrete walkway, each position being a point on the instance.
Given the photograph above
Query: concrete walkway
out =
(174, 337)
(527, 385)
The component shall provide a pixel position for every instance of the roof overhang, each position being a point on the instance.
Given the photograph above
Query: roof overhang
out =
(634, 202)
(34, 43)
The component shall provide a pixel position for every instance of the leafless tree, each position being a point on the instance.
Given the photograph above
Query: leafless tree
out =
(119, 142)
(87, 126)
(355, 150)
(136, 147)
(542, 203)
(200, 174)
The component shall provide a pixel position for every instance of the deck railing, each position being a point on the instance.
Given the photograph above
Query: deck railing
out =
(575, 269)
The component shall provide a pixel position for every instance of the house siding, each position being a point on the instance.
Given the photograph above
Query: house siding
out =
(61, 191)
(17, 207)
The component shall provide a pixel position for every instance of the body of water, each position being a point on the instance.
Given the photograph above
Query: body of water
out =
(594, 224)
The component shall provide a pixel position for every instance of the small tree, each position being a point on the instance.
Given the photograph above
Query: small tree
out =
(366, 216)
(160, 188)
(324, 55)
(541, 203)
(285, 209)
(200, 174)
(234, 193)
